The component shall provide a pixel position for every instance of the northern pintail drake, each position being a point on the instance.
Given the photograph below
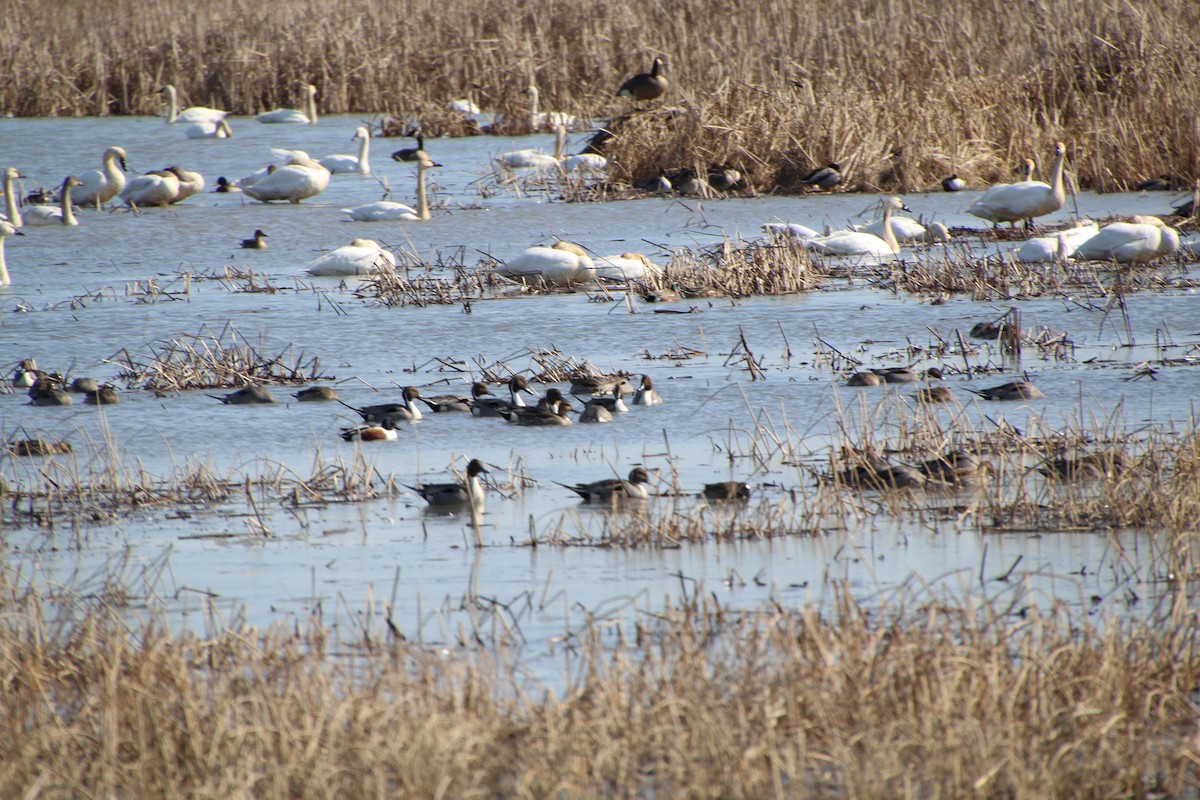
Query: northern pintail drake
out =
(614, 403)
(726, 490)
(614, 489)
(554, 401)
(405, 411)
(316, 394)
(246, 396)
(646, 85)
(451, 403)
(905, 374)
(105, 395)
(255, 243)
(489, 406)
(825, 177)
(1089, 466)
(600, 384)
(467, 493)
(647, 395)
(25, 374)
(875, 473)
(1013, 390)
(552, 414)
(953, 183)
(384, 431)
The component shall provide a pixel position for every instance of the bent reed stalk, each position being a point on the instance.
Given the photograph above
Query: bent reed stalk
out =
(900, 94)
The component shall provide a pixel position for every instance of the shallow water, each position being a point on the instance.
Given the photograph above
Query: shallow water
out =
(76, 287)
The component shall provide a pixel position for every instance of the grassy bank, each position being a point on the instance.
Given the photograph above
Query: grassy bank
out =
(908, 701)
(899, 93)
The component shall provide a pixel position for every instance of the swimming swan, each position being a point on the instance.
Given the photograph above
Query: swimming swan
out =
(291, 116)
(62, 214)
(98, 186)
(1141, 240)
(209, 130)
(359, 163)
(386, 210)
(542, 120)
(6, 229)
(189, 115)
(299, 179)
(529, 157)
(1023, 201)
(562, 264)
(860, 243)
(10, 197)
(360, 257)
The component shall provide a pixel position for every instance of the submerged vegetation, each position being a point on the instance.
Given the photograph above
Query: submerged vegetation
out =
(899, 94)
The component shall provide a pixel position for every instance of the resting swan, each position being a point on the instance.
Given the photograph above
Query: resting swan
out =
(543, 120)
(291, 116)
(360, 257)
(6, 229)
(1141, 240)
(62, 214)
(627, 267)
(792, 229)
(529, 157)
(1023, 201)
(359, 163)
(10, 197)
(386, 210)
(300, 179)
(860, 243)
(154, 189)
(562, 264)
(189, 115)
(1058, 247)
(98, 186)
(908, 230)
(210, 130)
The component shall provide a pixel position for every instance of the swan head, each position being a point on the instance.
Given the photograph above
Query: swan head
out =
(365, 243)
(1060, 149)
(7, 229)
(570, 247)
(895, 204)
(11, 174)
(312, 90)
(1146, 219)
(361, 132)
(119, 154)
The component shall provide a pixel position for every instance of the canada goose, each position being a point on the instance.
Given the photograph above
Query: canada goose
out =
(246, 396)
(646, 85)
(647, 395)
(360, 163)
(301, 178)
(614, 489)
(6, 229)
(561, 264)
(105, 395)
(404, 411)
(99, 186)
(1013, 390)
(859, 243)
(11, 202)
(389, 211)
(467, 493)
(659, 185)
(726, 490)
(411, 153)
(291, 116)
(953, 184)
(1141, 240)
(194, 114)
(62, 214)
(384, 431)
(553, 413)
(825, 177)
(209, 130)
(1023, 201)
(360, 257)
(316, 394)
(255, 243)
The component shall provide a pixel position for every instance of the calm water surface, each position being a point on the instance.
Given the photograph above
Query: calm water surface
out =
(79, 289)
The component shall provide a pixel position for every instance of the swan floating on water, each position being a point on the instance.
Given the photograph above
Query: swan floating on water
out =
(386, 210)
(62, 214)
(860, 243)
(209, 130)
(97, 187)
(561, 264)
(543, 120)
(292, 116)
(360, 257)
(194, 114)
(530, 157)
(1141, 240)
(11, 205)
(301, 178)
(6, 229)
(1013, 202)
(358, 163)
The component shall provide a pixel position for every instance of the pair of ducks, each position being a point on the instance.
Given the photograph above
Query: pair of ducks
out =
(1012, 390)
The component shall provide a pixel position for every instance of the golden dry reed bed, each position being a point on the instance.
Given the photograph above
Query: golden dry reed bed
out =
(899, 93)
(908, 701)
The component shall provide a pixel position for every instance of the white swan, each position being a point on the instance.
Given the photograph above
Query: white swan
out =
(6, 229)
(562, 264)
(860, 243)
(386, 210)
(529, 157)
(1141, 240)
(908, 230)
(1014, 202)
(291, 116)
(62, 214)
(793, 229)
(358, 163)
(189, 115)
(360, 257)
(98, 186)
(545, 120)
(253, 177)
(153, 189)
(209, 130)
(299, 179)
(627, 267)
(1057, 247)
(585, 162)
(11, 205)
(190, 183)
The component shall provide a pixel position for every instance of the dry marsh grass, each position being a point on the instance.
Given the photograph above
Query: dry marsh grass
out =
(916, 698)
(899, 94)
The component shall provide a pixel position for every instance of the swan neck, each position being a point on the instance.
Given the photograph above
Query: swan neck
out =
(311, 107)
(68, 214)
(422, 199)
(1056, 182)
(534, 105)
(172, 105)
(10, 202)
(560, 136)
(4, 279)
(889, 236)
(364, 148)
